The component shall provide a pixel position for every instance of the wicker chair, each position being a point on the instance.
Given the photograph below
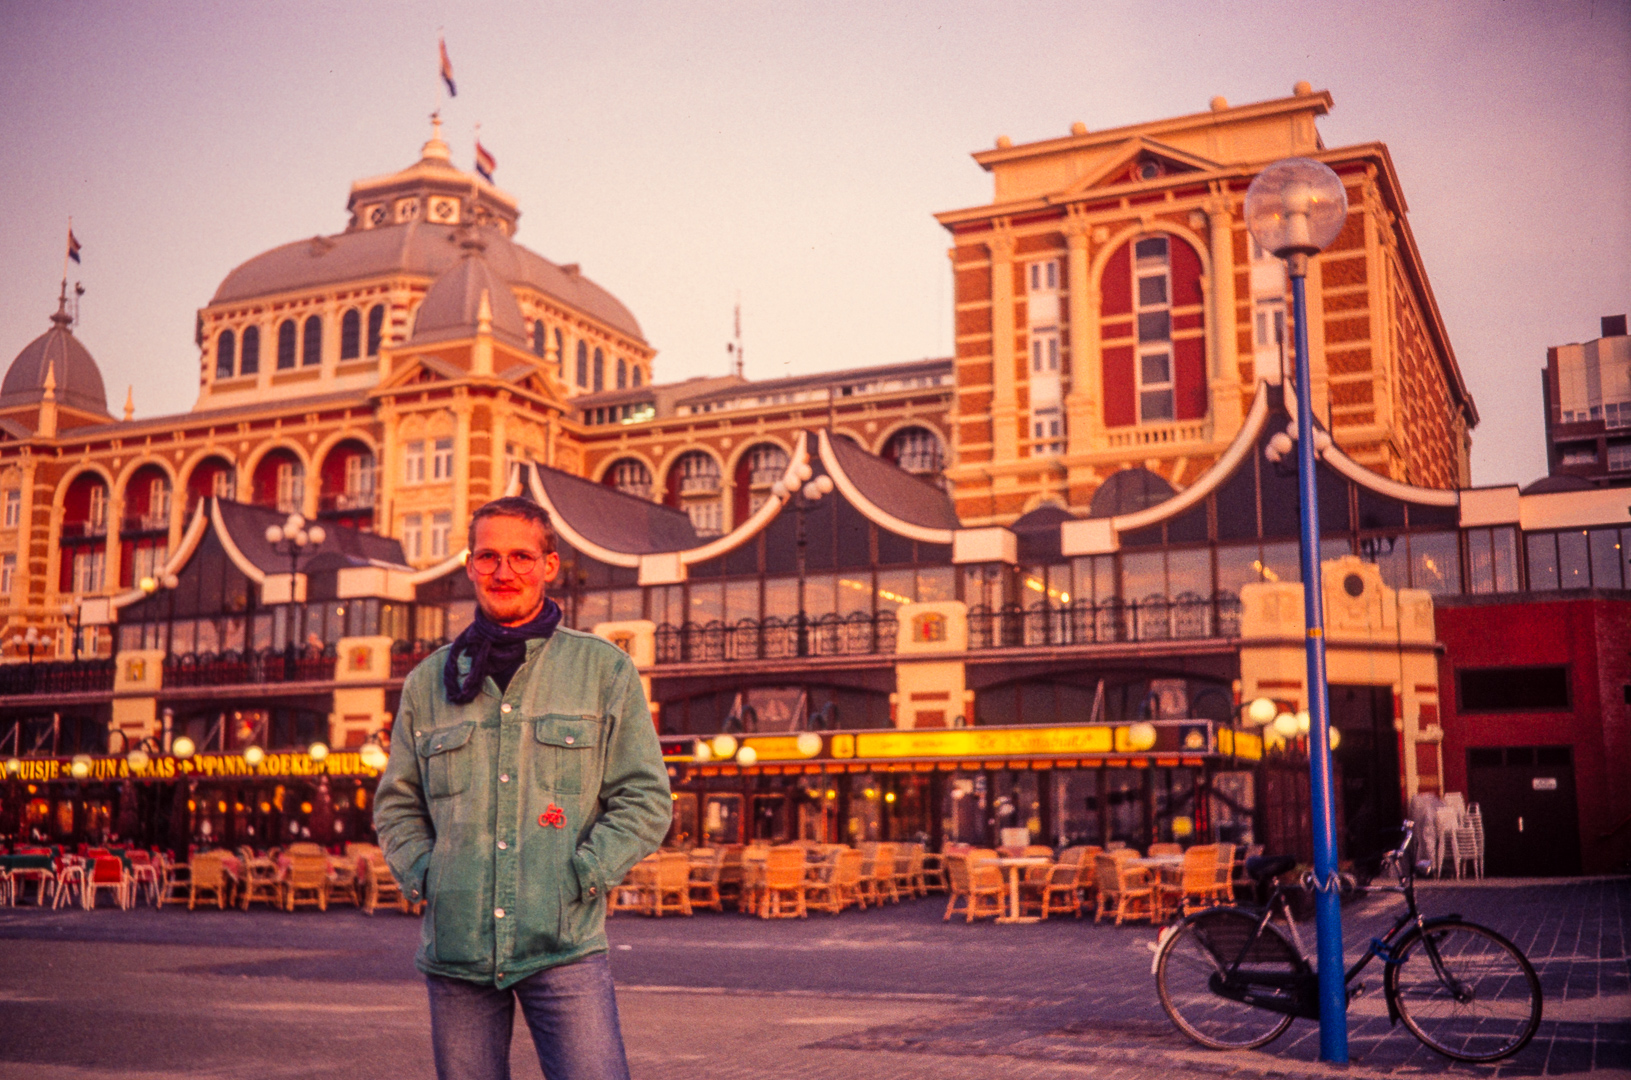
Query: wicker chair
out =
(846, 879)
(1157, 850)
(209, 878)
(784, 884)
(754, 858)
(1223, 885)
(975, 879)
(730, 875)
(934, 873)
(1197, 880)
(305, 883)
(704, 879)
(1124, 891)
(821, 887)
(1056, 892)
(260, 880)
(883, 874)
(637, 891)
(175, 882)
(672, 889)
(379, 886)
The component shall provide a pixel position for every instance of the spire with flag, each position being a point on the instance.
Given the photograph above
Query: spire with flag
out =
(447, 68)
(485, 162)
(73, 244)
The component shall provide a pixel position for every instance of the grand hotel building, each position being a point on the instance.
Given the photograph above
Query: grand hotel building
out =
(1026, 585)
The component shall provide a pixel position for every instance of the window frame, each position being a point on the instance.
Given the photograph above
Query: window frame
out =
(1145, 313)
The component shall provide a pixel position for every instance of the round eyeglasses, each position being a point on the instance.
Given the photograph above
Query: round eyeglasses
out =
(521, 562)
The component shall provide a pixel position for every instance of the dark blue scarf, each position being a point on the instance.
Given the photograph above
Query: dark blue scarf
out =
(493, 649)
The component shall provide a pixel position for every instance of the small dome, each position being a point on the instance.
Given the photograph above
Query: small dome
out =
(452, 304)
(58, 352)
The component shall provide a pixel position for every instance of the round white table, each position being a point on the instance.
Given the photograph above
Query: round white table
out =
(1013, 865)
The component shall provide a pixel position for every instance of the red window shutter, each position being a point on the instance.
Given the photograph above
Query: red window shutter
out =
(1189, 378)
(1186, 272)
(127, 569)
(1116, 283)
(1120, 390)
(65, 579)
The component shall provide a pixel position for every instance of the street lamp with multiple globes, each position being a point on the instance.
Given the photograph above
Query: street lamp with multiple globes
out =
(802, 499)
(1294, 208)
(292, 538)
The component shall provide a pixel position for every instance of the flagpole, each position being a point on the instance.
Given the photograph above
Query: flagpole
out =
(66, 249)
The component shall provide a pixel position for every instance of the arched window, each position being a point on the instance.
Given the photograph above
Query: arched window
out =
(630, 476)
(636, 381)
(622, 373)
(560, 356)
(350, 334)
(250, 362)
(538, 333)
(285, 345)
(1150, 291)
(756, 471)
(693, 486)
(918, 451)
(583, 365)
(376, 326)
(600, 371)
(311, 345)
(226, 358)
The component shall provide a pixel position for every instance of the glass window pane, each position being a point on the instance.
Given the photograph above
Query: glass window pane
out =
(819, 596)
(1334, 547)
(1573, 568)
(1504, 545)
(895, 587)
(855, 593)
(1542, 561)
(1155, 405)
(1237, 565)
(1143, 575)
(626, 605)
(1155, 326)
(1435, 563)
(593, 608)
(741, 600)
(1281, 562)
(1189, 571)
(781, 597)
(707, 602)
(1152, 290)
(1605, 559)
(1033, 586)
(936, 583)
(1480, 562)
(1155, 368)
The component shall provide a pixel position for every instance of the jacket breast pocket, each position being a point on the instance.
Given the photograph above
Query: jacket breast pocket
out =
(445, 757)
(567, 750)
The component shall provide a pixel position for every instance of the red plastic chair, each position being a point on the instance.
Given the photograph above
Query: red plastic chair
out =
(108, 872)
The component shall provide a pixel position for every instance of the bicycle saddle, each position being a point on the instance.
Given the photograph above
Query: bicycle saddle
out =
(1261, 868)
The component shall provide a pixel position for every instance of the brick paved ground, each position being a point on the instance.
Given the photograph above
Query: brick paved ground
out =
(892, 993)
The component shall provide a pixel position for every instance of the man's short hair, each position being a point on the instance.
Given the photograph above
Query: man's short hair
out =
(514, 506)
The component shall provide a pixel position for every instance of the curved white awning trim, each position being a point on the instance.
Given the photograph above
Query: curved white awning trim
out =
(178, 558)
(871, 510)
(1339, 460)
(564, 529)
(239, 559)
(1245, 440)
(446, 566)
(759, 518)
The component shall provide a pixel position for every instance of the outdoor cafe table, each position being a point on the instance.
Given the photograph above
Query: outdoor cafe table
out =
(1013, 866)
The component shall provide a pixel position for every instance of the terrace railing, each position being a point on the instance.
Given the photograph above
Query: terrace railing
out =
(1185, 617)
(774, 638)
(405, 655)
(56, 677)
(250, 667)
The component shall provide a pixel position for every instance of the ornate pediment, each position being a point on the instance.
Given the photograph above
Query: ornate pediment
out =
(1138, 161)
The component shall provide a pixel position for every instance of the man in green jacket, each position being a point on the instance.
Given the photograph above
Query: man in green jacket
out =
(525, 780)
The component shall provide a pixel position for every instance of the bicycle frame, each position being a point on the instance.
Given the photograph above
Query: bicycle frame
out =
(1304, 1002)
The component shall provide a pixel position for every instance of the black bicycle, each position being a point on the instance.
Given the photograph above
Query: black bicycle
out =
(1231, 978)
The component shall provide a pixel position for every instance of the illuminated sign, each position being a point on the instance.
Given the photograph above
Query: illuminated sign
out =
(975, 742)
(198, 767)
(1245, 744)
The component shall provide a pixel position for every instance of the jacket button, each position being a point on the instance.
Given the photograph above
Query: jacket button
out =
(591, 890)
(504, 778)
(570, 739)
(502, 845)
(498, 913)
(504, 707)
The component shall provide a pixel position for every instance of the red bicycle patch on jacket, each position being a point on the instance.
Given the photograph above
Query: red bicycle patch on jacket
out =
(554, 815)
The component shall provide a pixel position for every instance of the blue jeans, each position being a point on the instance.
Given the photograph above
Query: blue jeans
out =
(571, 1010)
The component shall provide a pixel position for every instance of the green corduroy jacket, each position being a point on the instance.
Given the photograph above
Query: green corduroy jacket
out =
(515, 815)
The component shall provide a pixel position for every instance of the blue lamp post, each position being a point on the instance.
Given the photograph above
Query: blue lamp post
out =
(1294, 208)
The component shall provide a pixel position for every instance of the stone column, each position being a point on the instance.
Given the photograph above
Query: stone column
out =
(1084, 401)
(1004, 389)
(1224, 368)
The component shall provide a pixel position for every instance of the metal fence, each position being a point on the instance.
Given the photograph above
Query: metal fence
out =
(56, 677)
(252, 666)
(1187, 616)
(775, 638)
(405, 655)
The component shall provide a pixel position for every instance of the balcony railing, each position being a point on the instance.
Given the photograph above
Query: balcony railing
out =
(143, 523)
(343, 502)
(56, 677)
(232, 668)
(704, 484)
(74, 530)
(405, 655)
(1185, 617)
(775, 638)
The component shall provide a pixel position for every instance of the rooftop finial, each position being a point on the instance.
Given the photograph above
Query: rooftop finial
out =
(130, 402)
(50, 384)
(62, 318)
(435, 149)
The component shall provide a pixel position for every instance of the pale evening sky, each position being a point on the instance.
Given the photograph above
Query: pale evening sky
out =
(687, 154)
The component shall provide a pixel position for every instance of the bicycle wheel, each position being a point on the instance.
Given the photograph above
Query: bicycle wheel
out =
(1486, 1004)
(1197, 952)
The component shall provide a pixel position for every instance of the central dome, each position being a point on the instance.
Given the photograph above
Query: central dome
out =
(451, 308)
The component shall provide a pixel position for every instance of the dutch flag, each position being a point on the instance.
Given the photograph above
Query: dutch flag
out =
(485, 163)
(447, 68)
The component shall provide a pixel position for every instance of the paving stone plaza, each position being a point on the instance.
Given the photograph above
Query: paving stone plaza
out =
(890, 993)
